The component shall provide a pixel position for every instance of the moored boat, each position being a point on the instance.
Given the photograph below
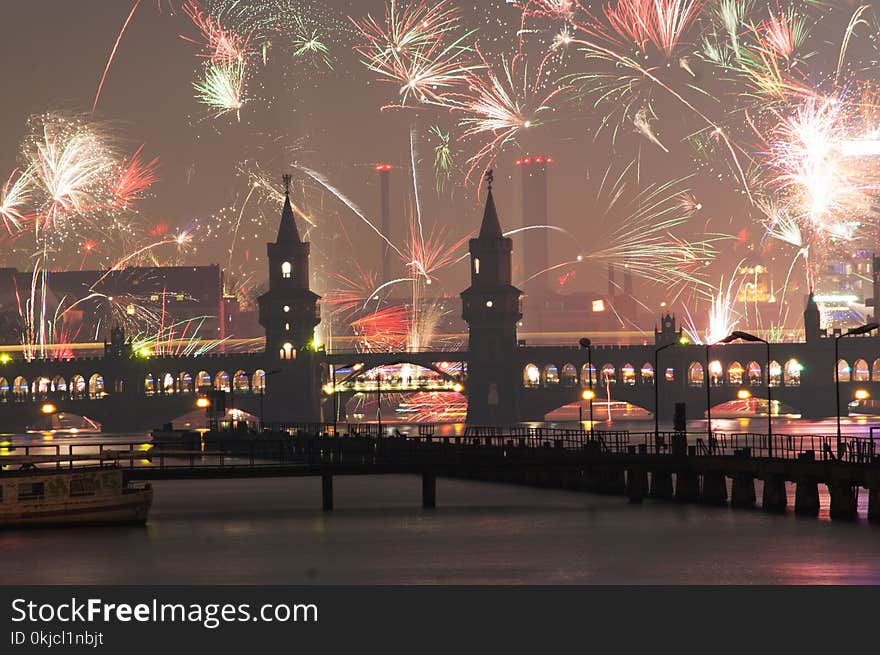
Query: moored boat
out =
(33, 496)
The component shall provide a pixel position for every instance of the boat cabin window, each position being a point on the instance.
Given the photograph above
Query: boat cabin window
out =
(82, 487)
(31, 490)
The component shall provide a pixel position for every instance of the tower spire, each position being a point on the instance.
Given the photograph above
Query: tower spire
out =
(287, 232)
(491, 226)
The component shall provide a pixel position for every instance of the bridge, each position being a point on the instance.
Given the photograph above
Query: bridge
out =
(504, 380)
(717, 470)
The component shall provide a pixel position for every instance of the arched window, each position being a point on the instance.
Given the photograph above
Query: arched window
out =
(670, 374)
(168, 383)
(221, 381)
(716, 373)
(185, 382)
(756, 376)
(241, 382)
(588, 375)
(775, 372)
(203, 380)
(550, 375)
(59, 384)
(875, 371)
(41, 388)
(4, 390)
(860, 371)
(78, 387)
(96, 386)
(569, 375)
(149, 384)
(844, 372)
(287, 351)
(20, 388)
(695, 375)
(608, 375)
(286, 270)
(476, 265)
(259, 385)
(647, 373)
(793, 370)
(628, 374)
(735, 374)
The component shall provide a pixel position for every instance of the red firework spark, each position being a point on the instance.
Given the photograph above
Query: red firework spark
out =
(134, 179)
(220, 45)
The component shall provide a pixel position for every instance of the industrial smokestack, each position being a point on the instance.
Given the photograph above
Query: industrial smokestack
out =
(384, 171)
(536, 243)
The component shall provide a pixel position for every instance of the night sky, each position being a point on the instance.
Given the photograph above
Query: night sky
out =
(331, 121)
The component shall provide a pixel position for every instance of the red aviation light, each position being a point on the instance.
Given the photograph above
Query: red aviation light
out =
(384, 167)
(528, 161)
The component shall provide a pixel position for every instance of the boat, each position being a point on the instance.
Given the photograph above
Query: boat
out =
(80, 495)
(64, 423)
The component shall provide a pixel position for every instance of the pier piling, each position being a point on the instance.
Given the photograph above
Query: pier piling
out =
(687, 487)
(636, 484)
(806, 497)
(874, 505)
(429, 490)
(661, 485)
(714, 488)
(774, 499)
(327, 492)
(843, 500)
(743, 491)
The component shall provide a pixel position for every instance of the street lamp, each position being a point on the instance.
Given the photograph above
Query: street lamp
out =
(681, 342)
(751, 338)
(590, 394)
(863, 329)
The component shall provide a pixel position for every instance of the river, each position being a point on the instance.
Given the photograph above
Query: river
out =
(271, 531)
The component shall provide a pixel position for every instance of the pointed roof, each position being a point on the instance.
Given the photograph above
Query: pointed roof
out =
(287, 232)
(491, 227)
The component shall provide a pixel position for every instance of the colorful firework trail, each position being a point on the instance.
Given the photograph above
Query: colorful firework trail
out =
(746, 93)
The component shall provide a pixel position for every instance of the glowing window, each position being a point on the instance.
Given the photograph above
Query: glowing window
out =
(477, 266)
(598, 306)
(286, 309)
(286, 270)
(490, 304)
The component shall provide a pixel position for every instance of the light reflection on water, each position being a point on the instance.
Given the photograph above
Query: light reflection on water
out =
(271, 531)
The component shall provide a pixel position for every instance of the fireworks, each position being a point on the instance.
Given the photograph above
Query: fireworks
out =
(15, 197)
(222, 88)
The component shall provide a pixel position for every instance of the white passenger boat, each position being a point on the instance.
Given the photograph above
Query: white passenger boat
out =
(33, 496)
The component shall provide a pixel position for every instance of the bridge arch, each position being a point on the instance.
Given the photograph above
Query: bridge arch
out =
(41, 387)
(4, 390)
(844, 372)
(696, 376)
(531, 376)
(716, 373)
(409, 377)
(184, 382)
(875, 371)
(241, 382)
(221, 381)
(755, 374)
(792, 373)
(149, 384)
(569, 375)
(861, 372)
(550, 375)
(59, 384)
(588, 375)
(608, 374)
(647, 373)
(96, 386)
(259, 384)
(628, 375)
(735, 372)
(166, 385)
(78, 387)
(775, 374)
(20, 389)
(204, 379)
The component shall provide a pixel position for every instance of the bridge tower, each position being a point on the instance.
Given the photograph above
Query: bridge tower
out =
(812, 320)
(491, 308)
(289, 313)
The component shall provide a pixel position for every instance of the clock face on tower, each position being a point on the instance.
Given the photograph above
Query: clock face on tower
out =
(668, 324)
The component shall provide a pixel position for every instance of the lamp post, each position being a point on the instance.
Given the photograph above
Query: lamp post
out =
(657, 352)
(863, 329)
(751, 338)
(586, 343)
(379, 398)
(335, 399)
